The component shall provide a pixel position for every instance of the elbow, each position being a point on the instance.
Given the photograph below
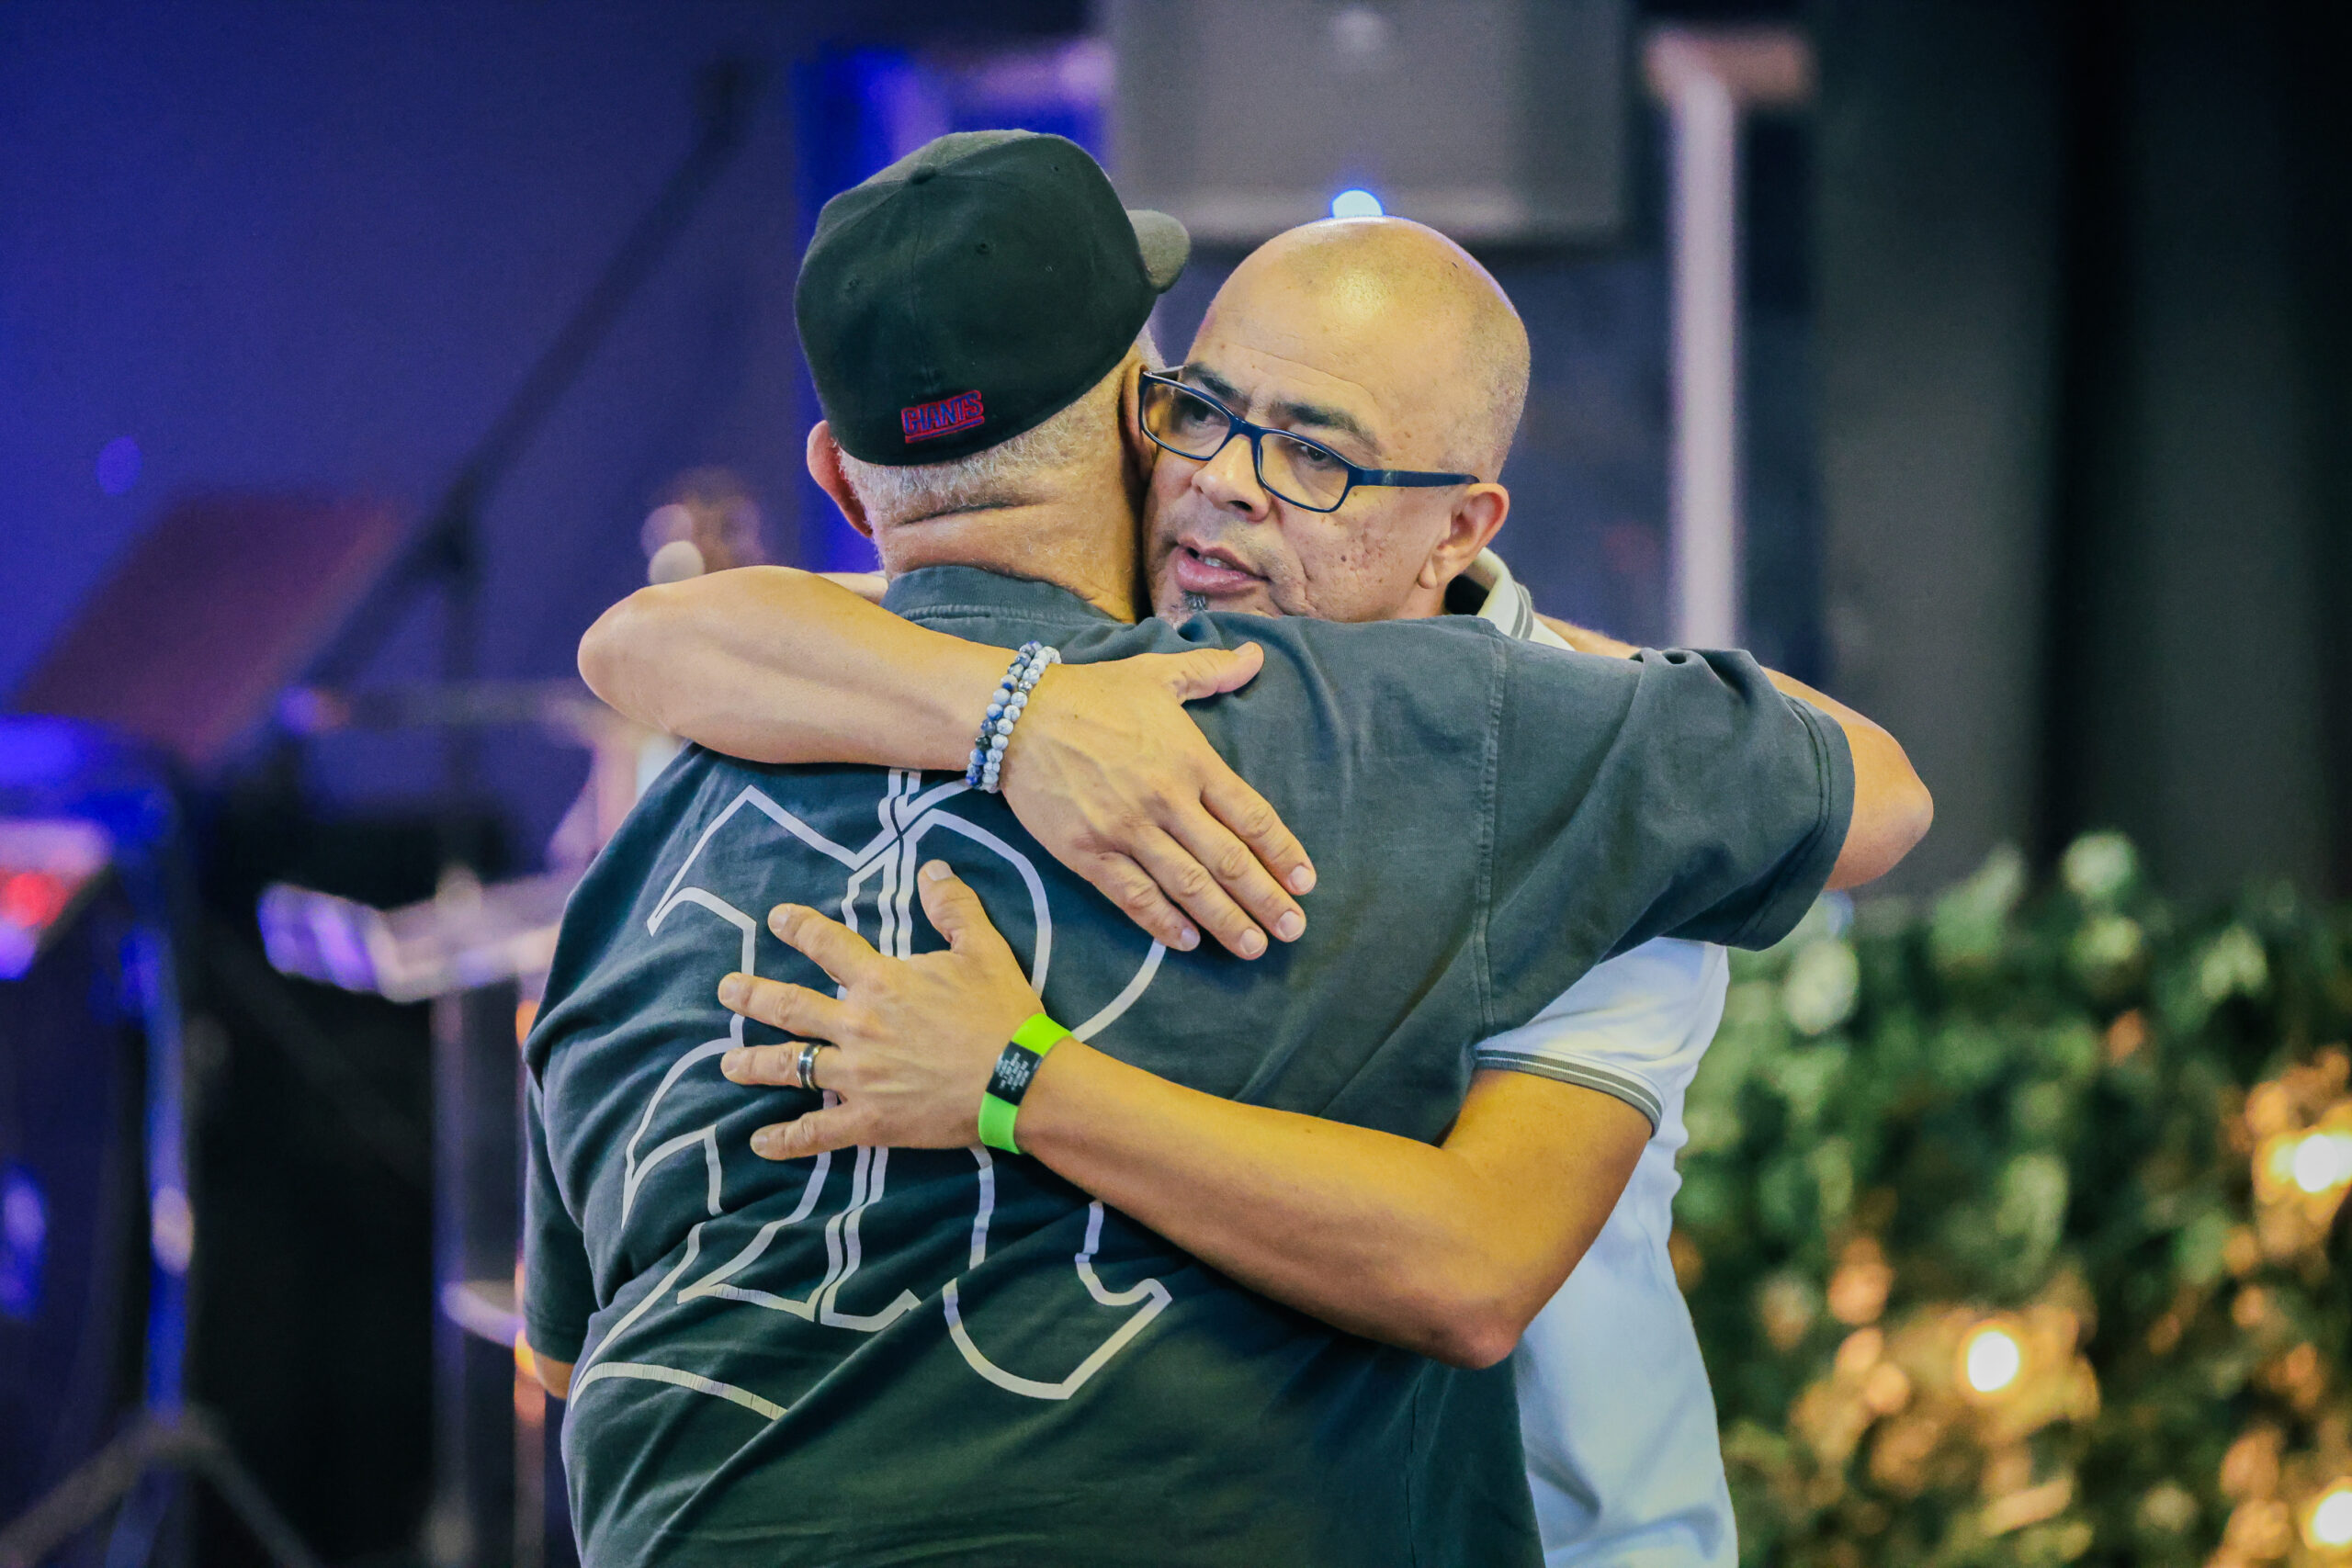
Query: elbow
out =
(1472, 1309)
(599, 656)
(1909, 814)
(1474, 1346)
(1886, 827)
(1476, 1327)
(1906, 817)
(605, 650)
(1920, 815)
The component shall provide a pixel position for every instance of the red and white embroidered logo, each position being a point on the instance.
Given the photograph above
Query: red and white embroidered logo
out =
(929, 421)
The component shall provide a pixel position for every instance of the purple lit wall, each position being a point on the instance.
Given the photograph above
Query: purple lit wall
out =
(317, 245)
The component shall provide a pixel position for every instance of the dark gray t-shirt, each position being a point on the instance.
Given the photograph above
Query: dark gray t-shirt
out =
(894, 1356)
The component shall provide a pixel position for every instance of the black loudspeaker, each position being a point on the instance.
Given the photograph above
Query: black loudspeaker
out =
(83, 954)
(1498, 121)
(72, 1199)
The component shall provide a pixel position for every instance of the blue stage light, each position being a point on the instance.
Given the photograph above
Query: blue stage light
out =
(24, 1238)
(119, 462)
(1356, 204)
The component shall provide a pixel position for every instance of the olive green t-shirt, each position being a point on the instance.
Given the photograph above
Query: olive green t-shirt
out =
(898, 1357)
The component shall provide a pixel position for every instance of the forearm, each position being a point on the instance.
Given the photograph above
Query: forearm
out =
(776, 665)
(1891, 806)
(1107, 771)
(1372, 1232)
(1448, 1251)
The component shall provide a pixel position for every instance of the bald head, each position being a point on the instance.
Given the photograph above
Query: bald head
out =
(1382, 341)
(1408, 308)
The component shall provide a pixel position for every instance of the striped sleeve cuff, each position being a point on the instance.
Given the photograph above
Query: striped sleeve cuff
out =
(1584, 1075)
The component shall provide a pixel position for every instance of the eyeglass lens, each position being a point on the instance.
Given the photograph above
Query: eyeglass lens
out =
(1192, 426)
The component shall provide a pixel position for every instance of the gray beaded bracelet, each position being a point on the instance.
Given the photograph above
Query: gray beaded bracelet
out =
(1005, 708)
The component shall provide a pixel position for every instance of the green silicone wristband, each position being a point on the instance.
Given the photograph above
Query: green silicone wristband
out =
(1015, 1065)
(1039, 1033)
(996, 1123)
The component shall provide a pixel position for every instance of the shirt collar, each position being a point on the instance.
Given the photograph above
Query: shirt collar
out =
(1506, 603)
(970, 590)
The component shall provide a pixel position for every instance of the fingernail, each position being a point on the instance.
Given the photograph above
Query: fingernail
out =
(1253, 942)
(934, 871)
(1291, 924)
(730, 990)
(1303, 880)
(732, 1064)
(1187, 939)
(767, 1142)
(776, 917)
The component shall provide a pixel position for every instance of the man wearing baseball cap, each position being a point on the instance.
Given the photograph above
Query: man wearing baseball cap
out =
(944, 1353)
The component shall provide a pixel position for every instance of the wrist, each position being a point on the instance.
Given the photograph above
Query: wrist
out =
(955, 694)
(1016, 1070)
(1053, 1106)
(1037, 720)
(984, 767)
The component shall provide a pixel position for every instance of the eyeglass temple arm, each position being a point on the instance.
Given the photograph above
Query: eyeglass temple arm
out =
(1407, 478)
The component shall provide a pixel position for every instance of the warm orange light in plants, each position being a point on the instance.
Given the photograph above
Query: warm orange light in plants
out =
(2329, 1524)
(2322, 1161)
(1991, 1357)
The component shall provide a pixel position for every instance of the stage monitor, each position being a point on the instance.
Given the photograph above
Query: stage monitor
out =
(1498, 121)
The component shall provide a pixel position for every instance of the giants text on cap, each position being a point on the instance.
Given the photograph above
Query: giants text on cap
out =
(928, 421)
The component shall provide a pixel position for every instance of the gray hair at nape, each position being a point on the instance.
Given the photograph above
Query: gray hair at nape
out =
(1008, 474)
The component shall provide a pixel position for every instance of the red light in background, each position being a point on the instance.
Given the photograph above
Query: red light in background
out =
(29, 900)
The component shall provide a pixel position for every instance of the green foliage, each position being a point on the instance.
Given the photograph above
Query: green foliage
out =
(2045, 1113)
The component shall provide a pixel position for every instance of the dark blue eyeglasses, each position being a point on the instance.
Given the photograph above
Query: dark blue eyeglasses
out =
(1307, 474)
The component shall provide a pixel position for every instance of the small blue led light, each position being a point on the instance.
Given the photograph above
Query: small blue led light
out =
(119, 464)
(1356, 204)
(24, 1242)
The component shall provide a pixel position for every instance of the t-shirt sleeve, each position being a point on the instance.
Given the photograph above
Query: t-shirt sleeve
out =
(1677, 793)
(1634, 1027)
(559, 1293)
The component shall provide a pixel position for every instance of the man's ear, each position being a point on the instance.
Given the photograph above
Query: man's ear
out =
(1476, 518)
(825, 468)
(1141, 450)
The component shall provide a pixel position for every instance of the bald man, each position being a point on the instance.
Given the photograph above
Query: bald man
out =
(1447, 1249)
(1370, 336)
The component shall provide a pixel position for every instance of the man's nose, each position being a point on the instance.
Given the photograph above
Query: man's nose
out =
(1229, 480)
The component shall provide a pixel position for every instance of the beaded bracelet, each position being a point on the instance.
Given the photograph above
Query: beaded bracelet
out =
(1005, 708)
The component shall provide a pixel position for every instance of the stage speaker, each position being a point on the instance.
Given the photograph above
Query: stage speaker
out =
(1498, 121)
(77, 965)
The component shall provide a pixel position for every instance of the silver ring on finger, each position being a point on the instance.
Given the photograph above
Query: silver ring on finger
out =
(807, 1063)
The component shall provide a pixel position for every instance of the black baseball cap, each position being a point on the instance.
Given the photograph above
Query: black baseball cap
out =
(971, 291)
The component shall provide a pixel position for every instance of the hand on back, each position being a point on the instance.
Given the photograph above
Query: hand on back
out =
(1112, 776)
(912, 1041)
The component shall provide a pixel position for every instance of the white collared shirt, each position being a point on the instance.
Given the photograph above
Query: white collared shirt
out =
(1615, 1412)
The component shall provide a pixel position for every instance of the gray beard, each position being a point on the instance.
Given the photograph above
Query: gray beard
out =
(1196, 604)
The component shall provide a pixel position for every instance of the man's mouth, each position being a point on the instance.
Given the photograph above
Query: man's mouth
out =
(1212, 573)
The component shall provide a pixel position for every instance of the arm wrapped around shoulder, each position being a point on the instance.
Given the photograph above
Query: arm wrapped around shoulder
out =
(1677, 793)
